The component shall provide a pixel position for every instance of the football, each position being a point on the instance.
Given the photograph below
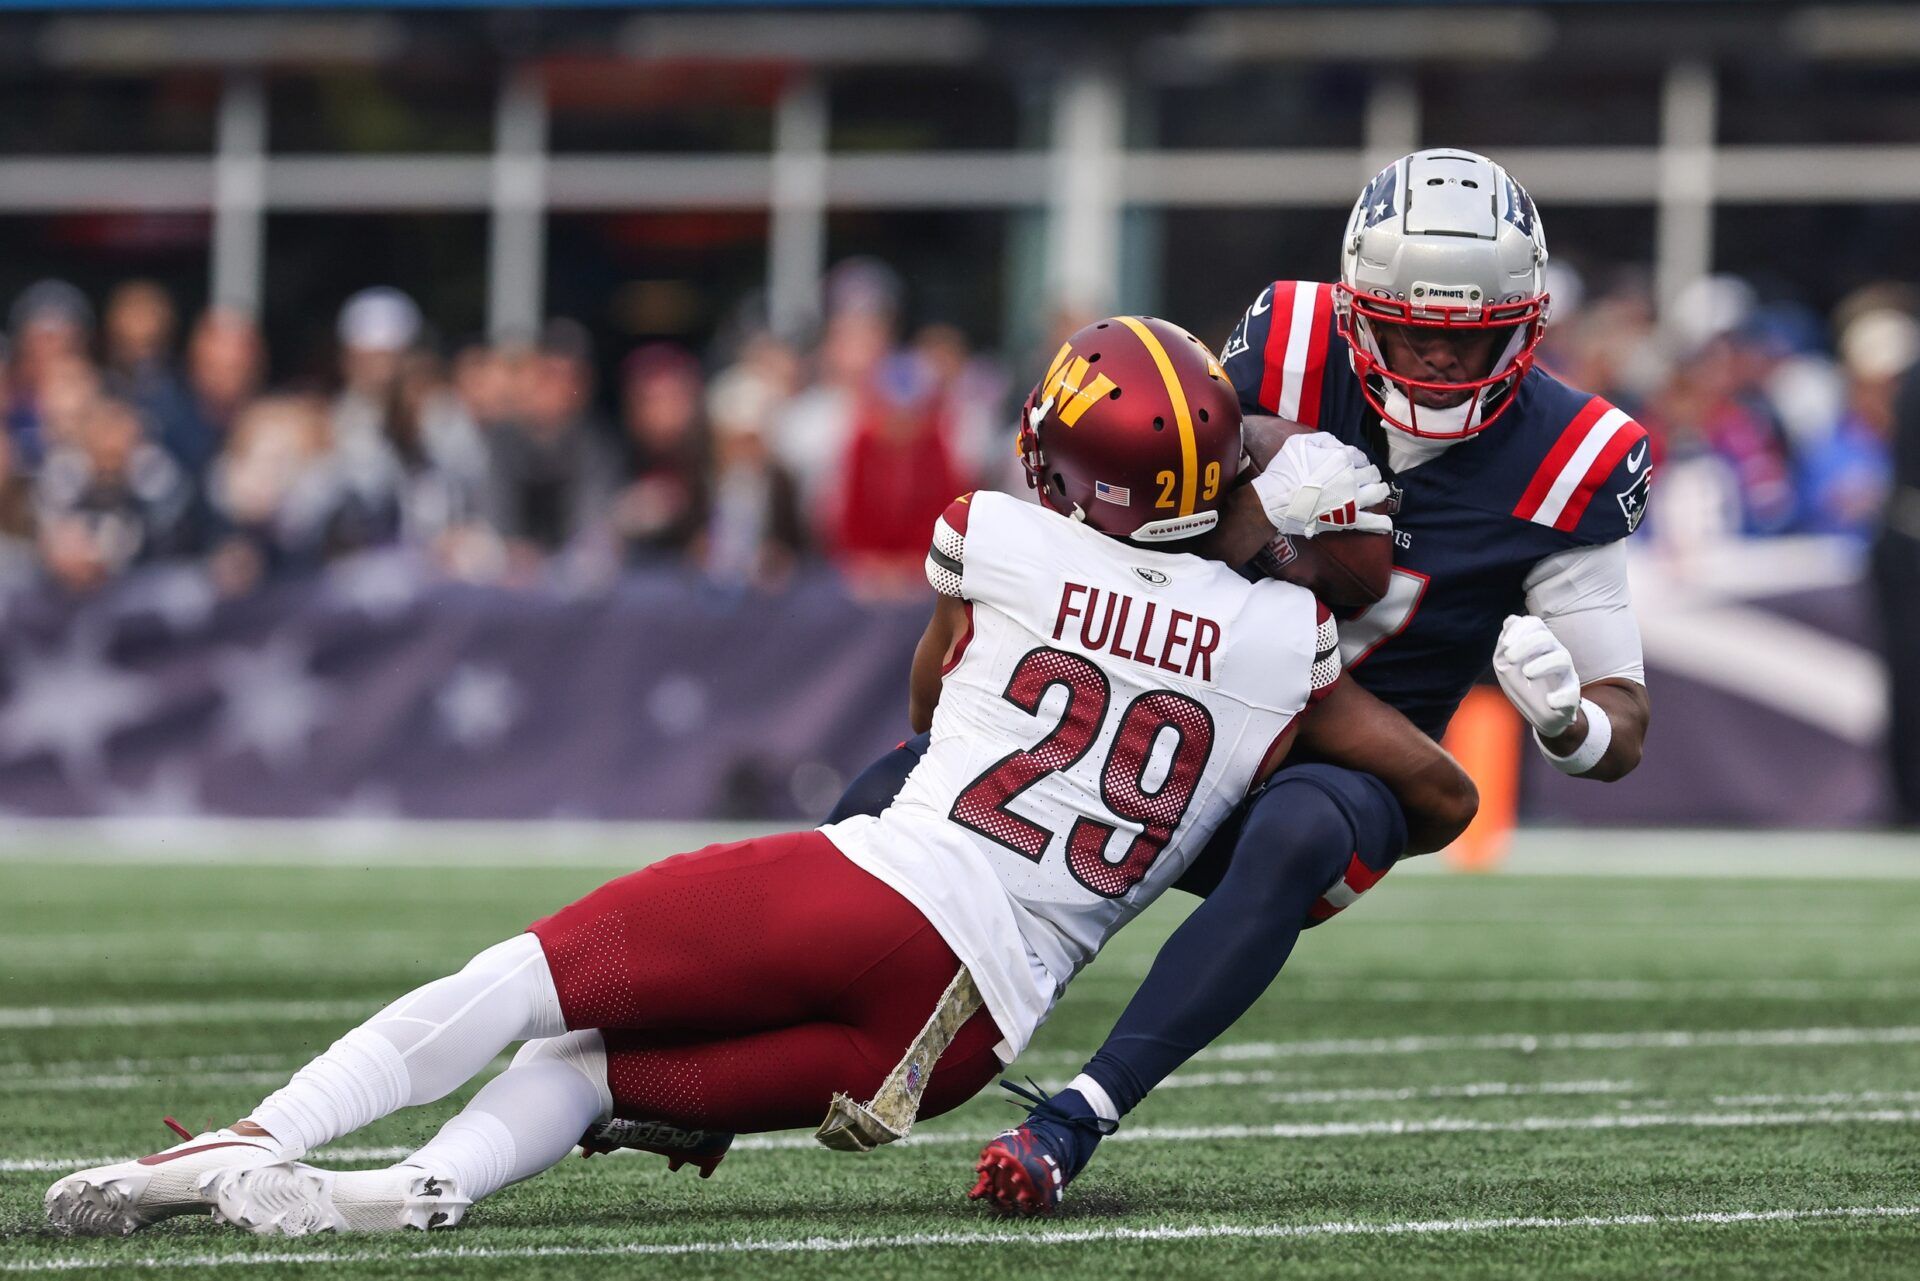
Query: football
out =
(1348, 571)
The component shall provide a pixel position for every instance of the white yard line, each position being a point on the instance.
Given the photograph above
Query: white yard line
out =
(1305, 989)
(1225, 1133)
(1471, 1090)
(1026, 1236)
(1815, 1100)
(1474, 1090)
(1533, 1043)
(1499, 991)
(1436, 1125)
(159, 1013)
(135, 1074)
(269, 1011)
(96, 1084)
(188, 1063)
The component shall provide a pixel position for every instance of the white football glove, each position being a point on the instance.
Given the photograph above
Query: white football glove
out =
(1536, 671)
(1316, 485)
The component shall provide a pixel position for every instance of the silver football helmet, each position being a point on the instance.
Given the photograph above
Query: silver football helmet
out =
(1441, 268)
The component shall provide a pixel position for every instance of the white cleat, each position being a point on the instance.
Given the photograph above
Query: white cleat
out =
(122, 1198)
(293, 1199)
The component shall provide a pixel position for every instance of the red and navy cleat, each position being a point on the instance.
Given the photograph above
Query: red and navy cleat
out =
(703, 1149)
(1027, 1169)
(1018, 1175)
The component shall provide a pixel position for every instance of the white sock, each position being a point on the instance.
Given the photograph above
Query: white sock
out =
(420, 1048)
(525, 1120)
(1096, 1096)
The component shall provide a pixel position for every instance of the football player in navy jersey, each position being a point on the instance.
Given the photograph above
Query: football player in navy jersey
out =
(1511, 495)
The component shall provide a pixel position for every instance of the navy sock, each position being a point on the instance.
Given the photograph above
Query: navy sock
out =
(1300, 833)
(881, 781)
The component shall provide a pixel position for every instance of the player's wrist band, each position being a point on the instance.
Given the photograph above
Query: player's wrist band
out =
(1592, 748)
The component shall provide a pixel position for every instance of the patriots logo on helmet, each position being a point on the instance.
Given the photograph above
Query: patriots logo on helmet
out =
(1379, 200)
(1519, 207)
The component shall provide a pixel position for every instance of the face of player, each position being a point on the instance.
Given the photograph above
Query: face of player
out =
(1439, 356)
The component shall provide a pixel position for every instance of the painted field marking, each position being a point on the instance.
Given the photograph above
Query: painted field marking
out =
(1389, 1128)
(1013, 1236)
(161, 1013)
(1499, 991)
(188, 1063)
(1814, 1100)
(1474, 1090)
(95, 1084)
(1536, 1042)
(1437, 1125)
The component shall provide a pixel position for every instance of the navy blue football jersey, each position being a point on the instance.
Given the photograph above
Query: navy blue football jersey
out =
(1559, 469)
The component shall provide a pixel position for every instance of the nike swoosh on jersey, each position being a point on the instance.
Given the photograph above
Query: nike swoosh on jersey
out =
(1263, 303)
(1636, 458)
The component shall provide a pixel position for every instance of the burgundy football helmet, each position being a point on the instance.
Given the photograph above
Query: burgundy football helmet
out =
(1134, 430)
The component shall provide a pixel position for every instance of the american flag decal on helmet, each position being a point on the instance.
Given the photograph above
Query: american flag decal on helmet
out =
(1112, 493)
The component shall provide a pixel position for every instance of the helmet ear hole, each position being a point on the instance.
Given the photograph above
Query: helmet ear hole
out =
(1060, 484)
(1203, 415)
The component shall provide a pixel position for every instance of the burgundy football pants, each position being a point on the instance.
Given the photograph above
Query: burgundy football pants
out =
(740, 986)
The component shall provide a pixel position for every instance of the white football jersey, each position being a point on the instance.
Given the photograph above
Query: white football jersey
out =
(1107, 710)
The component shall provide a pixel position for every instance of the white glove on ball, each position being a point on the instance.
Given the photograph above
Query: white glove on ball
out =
(1315, 485)
(1536, 671)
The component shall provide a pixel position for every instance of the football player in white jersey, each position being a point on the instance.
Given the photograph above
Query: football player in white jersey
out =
(1099, 700)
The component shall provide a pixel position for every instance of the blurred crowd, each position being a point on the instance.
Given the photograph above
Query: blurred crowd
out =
(129, 441)
(1766, 418)
(132, 437)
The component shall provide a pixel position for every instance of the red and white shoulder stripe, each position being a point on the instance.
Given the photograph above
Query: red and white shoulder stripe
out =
(1588, 450)
(1295, 358)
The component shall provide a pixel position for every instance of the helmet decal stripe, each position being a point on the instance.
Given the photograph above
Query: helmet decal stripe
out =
(1182, 414)
(1299, 338)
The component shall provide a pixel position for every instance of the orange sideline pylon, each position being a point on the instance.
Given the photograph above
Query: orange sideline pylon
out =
(1486, 737)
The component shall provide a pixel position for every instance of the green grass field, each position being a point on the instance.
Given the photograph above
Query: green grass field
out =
(1504, 1076)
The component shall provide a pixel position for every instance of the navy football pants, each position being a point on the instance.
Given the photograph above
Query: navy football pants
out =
(1293, 854)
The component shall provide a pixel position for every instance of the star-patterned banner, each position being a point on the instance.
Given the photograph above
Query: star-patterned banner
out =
(377, 691)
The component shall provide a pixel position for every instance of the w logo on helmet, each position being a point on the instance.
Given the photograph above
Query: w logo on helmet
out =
(1067, 386)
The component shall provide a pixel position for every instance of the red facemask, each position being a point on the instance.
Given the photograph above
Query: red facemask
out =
(1488, 397)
